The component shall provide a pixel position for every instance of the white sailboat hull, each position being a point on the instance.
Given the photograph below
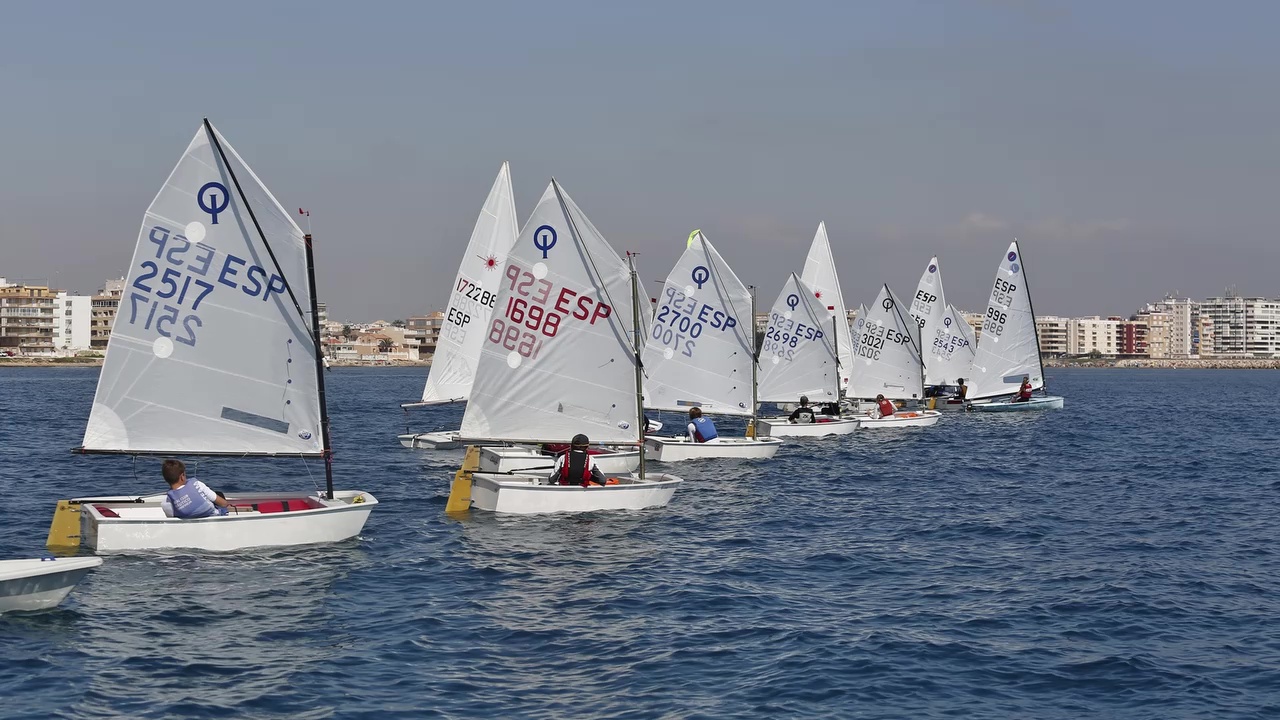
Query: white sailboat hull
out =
(908, 418)
(27, 585)
(523, 457)
(144, 526)
(1052, 402)
(444, 440)
(676, 449)
(782, 427)
(530, 495)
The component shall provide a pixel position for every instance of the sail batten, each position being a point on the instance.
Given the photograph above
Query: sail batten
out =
(697, 352)
(473, 297)
(203, 311)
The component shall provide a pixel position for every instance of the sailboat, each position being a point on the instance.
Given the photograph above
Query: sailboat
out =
(700, 353)
(798, 358)
(820, 275)
(40, 583)
(1010, 344)
(946, 340)
(213, 354)
(889, 362)
(471, 303)
(561, 357)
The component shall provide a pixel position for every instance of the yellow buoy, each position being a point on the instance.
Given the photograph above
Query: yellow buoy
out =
(64, 531)
(460, 493)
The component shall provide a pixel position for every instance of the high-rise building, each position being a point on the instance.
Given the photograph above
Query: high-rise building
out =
(1054, 333)
(103, 313)
(72, 320)
(1090, 335)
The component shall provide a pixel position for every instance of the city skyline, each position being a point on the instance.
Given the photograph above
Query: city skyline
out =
(1131, 152)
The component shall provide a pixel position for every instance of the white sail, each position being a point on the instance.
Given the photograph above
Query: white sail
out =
(820, 274)
(953, 347)
(888, 360)
(209, 352)
(1008, 348)
(557, 358)
(473, 296)
(798, 356)
(948, 351)
(699, 350)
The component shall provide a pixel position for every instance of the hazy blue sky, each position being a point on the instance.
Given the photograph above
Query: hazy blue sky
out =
(1133, 147)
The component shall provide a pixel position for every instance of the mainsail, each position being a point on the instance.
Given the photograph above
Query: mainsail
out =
(889, 351)
(699, 351)
(1008, 348)
(557, 358)
(798, 357)
(473, 297)
(210, 352)
(948, 351)
(820, 275)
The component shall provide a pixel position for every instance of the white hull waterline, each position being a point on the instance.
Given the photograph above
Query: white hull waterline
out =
(782, 427)
(27, 585)
(531, 495)
(675, 449)
(443, 440)
(1051, 402)
(901, 419)
(523, 457)
(144, 526)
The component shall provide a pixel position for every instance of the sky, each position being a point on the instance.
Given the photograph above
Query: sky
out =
(1133, 148)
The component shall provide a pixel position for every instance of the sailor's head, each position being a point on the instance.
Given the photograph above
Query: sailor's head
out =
(804, 400)
(695, 413)
(174, 471)
(879, 398)
(959, 381)
(580, 442)
(1025, 378)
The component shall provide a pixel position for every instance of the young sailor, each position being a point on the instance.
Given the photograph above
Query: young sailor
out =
(964, 389)
(701, 429)
(575, 466)
(1024, 392)
(885, 406)
(803, 415)
(188, 498)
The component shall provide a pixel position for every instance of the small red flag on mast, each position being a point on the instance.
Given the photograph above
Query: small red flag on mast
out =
(304, 212)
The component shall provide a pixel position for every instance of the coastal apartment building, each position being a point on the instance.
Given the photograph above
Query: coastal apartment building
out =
(1055, 334)
(1093, 335)
(103, 309)
(1239, 327)
(26, 319)
(72, 315)
(424, 331)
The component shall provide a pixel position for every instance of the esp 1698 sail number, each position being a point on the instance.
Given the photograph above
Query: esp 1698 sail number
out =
(532, 316)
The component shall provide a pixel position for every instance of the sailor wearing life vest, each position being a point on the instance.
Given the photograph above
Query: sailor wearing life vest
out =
(1024, 392)
(803, 414)
(575, 466)
(188, 498)
(885, 406)
(701, 429)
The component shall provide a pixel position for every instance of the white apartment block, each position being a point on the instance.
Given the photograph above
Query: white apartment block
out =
(72, 318)
(1055, 334)
(1093, 333)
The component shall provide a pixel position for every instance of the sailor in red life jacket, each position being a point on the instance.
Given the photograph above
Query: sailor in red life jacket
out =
(886, 407)
(1024, 392)
(575, 467)
(701, 429)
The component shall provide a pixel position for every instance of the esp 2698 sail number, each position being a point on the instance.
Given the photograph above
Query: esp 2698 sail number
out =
(1002, 295)
(680, 321)
(535, 310)
(167, 292)
(783, 336)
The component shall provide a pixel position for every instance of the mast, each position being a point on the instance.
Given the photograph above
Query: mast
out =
(635, 344)
(835, 324)
(1034, 328)
(755, 361)
(324, 406)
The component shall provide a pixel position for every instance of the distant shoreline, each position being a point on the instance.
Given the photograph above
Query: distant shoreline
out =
(97, 362)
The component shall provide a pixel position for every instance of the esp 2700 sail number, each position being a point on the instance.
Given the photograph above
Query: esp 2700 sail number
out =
(681, 318)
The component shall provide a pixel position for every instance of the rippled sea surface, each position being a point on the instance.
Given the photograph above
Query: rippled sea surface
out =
(1114, 559)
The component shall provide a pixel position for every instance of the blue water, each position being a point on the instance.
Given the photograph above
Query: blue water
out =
(1114, 559)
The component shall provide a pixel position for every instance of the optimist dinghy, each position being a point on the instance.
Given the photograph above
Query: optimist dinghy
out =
(890, 363)
(699, 353)
(798, 358)
(1010, 345)
(559, 358)
(471, 303)
(820, 276)
(946, 340)
(39, 584)
(213, 354)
